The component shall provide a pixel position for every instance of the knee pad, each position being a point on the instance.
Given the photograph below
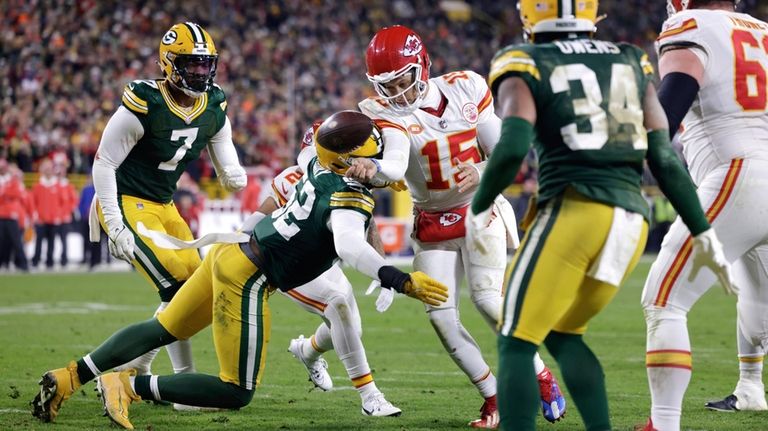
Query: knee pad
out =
(753, 322)
(655, 315)
(339, 311)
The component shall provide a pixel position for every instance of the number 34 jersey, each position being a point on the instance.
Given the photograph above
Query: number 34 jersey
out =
(729, 118)
(589, 131)
(439, 137)
(173, 136)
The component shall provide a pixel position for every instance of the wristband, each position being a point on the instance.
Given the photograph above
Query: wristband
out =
(393, 278)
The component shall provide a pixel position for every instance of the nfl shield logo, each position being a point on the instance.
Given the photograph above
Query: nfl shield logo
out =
(139, 205)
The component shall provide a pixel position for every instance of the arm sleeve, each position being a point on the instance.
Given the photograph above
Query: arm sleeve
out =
(349, 237)
(674, 181)
(120, 135)
(488, 135)
(516, 137)
(677, 92)
(222, 149)
(305, 156)
(394, 162)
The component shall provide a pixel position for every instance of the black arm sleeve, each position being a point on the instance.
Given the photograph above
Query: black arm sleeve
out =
(677, 92)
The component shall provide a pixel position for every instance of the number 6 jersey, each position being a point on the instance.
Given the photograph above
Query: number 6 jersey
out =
(589, 129)
(728, 118)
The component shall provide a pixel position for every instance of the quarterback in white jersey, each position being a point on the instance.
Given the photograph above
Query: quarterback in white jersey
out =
(330, 296)
(713, 63)
(437, 135)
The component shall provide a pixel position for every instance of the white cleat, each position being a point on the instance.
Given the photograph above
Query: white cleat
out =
(750, 397)
(317, 369)
(376, 405)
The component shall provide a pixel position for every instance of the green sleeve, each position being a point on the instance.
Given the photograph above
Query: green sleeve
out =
(516, 137)
(675, 182)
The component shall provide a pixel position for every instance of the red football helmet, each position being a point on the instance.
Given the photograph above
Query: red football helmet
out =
(395, 52)
(675, 6)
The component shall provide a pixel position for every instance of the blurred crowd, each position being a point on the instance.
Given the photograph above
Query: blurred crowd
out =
(283, 64)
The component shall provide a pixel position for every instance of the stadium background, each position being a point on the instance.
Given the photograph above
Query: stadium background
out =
(283, 64)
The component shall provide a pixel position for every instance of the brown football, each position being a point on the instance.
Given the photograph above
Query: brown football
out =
(344, 130)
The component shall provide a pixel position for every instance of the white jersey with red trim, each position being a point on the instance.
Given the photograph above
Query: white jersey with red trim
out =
(440, 136)
(284, 184)
(729, 118)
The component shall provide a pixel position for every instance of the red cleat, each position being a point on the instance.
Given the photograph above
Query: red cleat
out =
(489, 415)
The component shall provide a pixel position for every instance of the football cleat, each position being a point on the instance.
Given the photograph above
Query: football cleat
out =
(552, 399)
(739, 401)
(116, 395)
(376, 405)
(56, 386)
(317, 369)
(489, 415)
(647, 427)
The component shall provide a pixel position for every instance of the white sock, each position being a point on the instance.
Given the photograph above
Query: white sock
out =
(180, 353)
(750, 362)
(538, 364)
(142, 364)
(668, 364)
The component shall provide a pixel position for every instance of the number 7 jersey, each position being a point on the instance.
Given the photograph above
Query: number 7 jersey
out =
(589, 131)
(729, 118)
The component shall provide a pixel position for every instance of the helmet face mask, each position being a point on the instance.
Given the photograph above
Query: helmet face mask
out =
(188, 58)
(557, 16)
(393, 53)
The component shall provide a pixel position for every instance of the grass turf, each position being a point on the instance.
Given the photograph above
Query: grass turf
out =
(47, 320)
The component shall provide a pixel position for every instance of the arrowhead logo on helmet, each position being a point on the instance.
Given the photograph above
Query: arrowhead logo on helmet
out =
(412, 46)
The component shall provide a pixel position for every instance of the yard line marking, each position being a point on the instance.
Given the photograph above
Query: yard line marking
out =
(68, 307)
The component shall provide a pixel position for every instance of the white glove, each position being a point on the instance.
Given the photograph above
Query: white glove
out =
(386, 296)
(233, 178)
(708, 251)
(121, 242)
(474, 223)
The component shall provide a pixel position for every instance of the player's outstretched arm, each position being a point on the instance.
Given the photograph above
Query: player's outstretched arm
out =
(121, 134)
(349, 237)
(681, 76)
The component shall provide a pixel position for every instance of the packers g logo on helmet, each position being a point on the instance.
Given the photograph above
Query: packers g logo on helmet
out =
(188, 58)
(557, 16)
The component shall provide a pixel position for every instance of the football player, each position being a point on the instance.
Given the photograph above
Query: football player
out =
(325, 219)
(591, 110)
(161, 126)
(713, 63)
(437, 134)
(330, 296)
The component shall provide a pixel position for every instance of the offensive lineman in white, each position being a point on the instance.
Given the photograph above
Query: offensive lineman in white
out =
(330, 296)
(713, 61)
(437, 133)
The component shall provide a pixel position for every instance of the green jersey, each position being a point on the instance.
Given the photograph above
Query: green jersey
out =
(589, 129)
(173, 136)
(296, 242)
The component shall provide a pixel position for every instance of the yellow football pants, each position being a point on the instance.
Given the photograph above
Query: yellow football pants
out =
(548, 287)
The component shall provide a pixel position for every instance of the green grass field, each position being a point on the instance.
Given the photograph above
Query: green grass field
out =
(47, 320)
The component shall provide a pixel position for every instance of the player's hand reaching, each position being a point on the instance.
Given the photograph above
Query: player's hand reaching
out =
(362, 169)
(233, 178)
(426, 289)
(121, 242)
(708, 251)
(468, 175)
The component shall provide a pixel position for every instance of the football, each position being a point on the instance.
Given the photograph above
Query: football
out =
(342, 128)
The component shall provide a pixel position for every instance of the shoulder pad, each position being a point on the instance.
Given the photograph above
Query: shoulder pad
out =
(515, 60)
(137, 94)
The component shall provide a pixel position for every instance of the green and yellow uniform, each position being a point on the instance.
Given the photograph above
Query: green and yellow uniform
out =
(172, 137)
(591, 143)
(229, 291)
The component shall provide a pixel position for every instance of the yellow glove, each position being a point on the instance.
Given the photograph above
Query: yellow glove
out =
(398, 186)
(426, 289)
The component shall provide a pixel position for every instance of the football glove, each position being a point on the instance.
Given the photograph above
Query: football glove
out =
(121, 242)
(233, 178)
(474, 224)
(385, 298)
(708, 251)
(425, 289)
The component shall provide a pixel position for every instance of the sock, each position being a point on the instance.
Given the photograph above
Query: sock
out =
(192, 389)
(463, 349)
(365, 385)
(583, 376)
(750, 362)
(518, 396)
(668, 364)
(538, 364)
(180, 353)
(142, 364)
(310, 348)
(125, 344)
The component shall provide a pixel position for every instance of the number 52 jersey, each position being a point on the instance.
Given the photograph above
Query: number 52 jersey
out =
(729, 118)
(589, 131)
